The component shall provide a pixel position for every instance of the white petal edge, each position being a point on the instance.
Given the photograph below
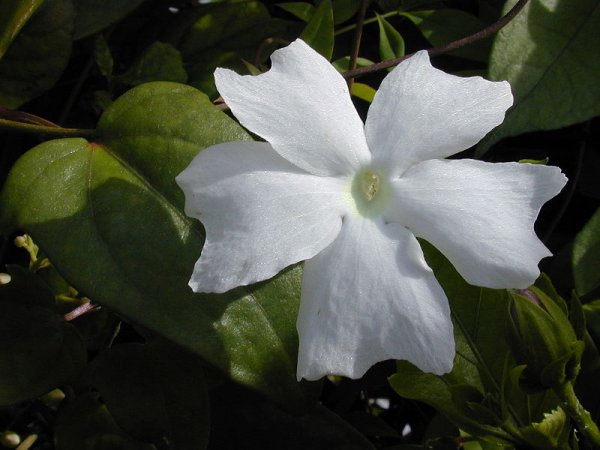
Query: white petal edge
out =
(302, 107)
(260, 212)
(421, 113)
(479, 215)
(369, 297)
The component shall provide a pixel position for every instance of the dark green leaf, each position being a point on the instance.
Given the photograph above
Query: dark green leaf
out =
(442, 26)
(103, 56)
(391, 43)
(223, 36)
(156, 393)
(544, 53)
(38, 55)
(159, 62)
(95, 15)
(14, 14)
(343, 63)
(86, 424)
(586, 256)
(303, 11)
(343, 10)
(243, 420)
(318, 33)
(131, 248)
(39, 350)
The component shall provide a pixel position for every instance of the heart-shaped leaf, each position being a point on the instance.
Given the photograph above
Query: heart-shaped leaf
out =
(109, 215)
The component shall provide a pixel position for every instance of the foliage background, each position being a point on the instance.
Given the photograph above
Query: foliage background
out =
(129, 82)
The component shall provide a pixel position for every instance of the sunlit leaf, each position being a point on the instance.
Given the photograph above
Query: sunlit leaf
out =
(129, 245)
(544, 54)
(363, 91)
(318, 33)
(38, 55)
(391, 43)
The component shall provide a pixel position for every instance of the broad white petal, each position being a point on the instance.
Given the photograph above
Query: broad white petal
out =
(369, 297)
(422, 113)
(302, 108)
(261, 213)
(480, 215)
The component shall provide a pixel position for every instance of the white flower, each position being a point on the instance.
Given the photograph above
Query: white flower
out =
(349, 199)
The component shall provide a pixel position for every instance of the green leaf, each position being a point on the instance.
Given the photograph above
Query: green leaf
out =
(303, 11)
(224, 35)
(318, 33)
(95, 15)
(130, 247)
(14, 14)
(159, 62)
(38, 55)
(586, 256)
(391, 43)
(86, 424)
(155, 392)
(244, 420)
(103, 56)
(343, 10)
(37, 343)
(343, 63)
(363, 91)
(544, 53)
(442, 26)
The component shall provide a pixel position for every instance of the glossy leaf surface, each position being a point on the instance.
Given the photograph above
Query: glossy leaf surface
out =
(130, 245)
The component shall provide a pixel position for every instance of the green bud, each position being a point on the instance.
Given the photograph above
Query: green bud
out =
(551, 432)
(9, 439)
(4, 278)
(542, 337)
(53, 398)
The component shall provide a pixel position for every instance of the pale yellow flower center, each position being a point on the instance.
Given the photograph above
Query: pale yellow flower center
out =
(370, 192)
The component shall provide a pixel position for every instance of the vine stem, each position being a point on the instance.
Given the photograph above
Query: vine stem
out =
(582, 418)
(486, 32)
(357, 38)
(80, 311)
(12, 125)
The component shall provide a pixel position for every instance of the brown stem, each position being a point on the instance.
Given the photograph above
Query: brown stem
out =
(486, 32)
(357, 38)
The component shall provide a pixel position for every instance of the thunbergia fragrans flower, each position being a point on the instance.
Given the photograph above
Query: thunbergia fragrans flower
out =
(351, 198)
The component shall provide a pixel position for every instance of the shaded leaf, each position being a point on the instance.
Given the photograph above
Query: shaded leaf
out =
(103, 56)
(86, 424)
(318, 33)
(156, 393)
(302, 10)
(343, 10)
(242, 419)
(159, 62)
(544, 54)
(131, 248)
(36, 58)
(39, 350)
(442, 26)
(586, 256)
(95, 15)
(14, 14)
(223, 35)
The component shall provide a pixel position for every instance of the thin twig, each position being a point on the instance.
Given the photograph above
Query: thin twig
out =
(357, 38)
(486, 32)
(12, 125)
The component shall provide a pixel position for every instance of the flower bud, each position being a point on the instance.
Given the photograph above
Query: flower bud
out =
(541, 337)
(9, 439)
(4, 278)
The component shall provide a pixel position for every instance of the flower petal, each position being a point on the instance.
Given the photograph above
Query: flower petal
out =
(479, 215)
(422, 113)
(302, 108)
(260, 212)
(369, 297)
